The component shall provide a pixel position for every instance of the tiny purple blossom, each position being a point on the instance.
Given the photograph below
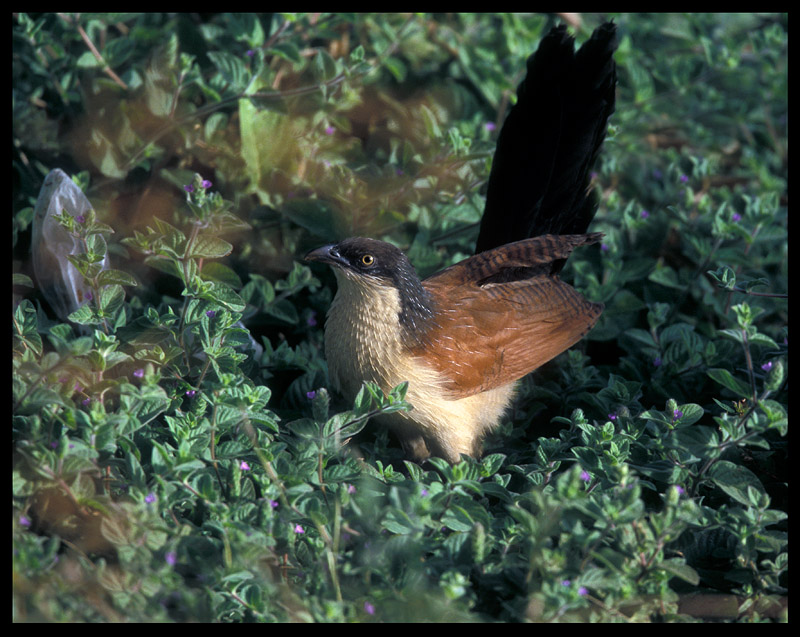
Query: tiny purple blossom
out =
(80, 218)
(188, 188)
(351, 489)
(191, 393)
(736, 216)
(329, 130)
(582, 591)
(684, 179)
(150, 498)
(211, 313)
(657, 361)
(424, 492)
(399, 172)
(299, 529)
(250, 53)
(612, 416)
(767, 366)
(566, 582)
(139, 373)
(171, 558)
(677, 414)
(586, 476)
(644, 214)
(679, 489)
(273, 504)
(311, 394)
(24, 521)
(244, 466)
(604, 247)
(85, 402)
(206, 183)
(54, 444)
(490, 126)
(369, 609)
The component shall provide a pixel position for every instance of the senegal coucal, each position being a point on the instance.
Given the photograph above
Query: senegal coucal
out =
(464, 336)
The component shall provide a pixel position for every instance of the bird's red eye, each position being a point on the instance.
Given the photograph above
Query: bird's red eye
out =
(367, 259)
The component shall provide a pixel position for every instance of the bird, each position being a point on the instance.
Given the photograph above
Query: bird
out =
(464, 336)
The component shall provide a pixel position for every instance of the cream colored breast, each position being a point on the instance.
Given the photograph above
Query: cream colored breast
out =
(362, 334)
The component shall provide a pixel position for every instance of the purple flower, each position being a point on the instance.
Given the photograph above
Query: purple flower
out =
(604, 247)
(206, 183)
(273, 504)
(80, 218)
(657, 361)
(677, 415)
(89, 296)
(188, 188)
(24, 521)
(612, 416)
(244, 466)
(171, 557)
(767, 366)
(299, 529)
(566, 582)
(369, 609)
(191, 393)
(736, 216)
(150, 498)
(424, 492)
(211, 313)
(85, 402)
(490, 126)
(684, 179)
(351, 489)
(644, 214)
(139, 373)
(311, 394)
(679, 489)
(250, 53)
(329, 130)
(582, 591)
(586, 476)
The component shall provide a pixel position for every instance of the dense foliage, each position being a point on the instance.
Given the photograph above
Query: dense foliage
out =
(176, 454)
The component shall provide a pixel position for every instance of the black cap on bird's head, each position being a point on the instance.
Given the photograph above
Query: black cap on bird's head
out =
(367, 257)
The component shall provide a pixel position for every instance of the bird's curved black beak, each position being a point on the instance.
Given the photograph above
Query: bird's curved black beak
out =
(326, 254)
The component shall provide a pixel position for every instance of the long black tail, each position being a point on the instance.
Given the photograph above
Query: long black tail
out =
(540, 174)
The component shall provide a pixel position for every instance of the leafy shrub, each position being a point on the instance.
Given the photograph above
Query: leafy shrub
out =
(176, 454)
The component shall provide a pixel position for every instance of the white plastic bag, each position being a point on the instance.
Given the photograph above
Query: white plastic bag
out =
(60, 283)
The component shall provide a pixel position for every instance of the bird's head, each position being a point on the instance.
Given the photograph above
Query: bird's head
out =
(376, 267)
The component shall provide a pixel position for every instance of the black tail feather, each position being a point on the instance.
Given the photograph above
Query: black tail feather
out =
(550, 140)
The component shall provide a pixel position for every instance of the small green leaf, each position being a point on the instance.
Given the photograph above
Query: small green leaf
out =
(734, 480)
(726, 379)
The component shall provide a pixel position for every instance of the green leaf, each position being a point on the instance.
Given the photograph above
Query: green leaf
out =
(209, 247)
(726, 379)
(734, 480)
(679, 568)
(109, 277)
